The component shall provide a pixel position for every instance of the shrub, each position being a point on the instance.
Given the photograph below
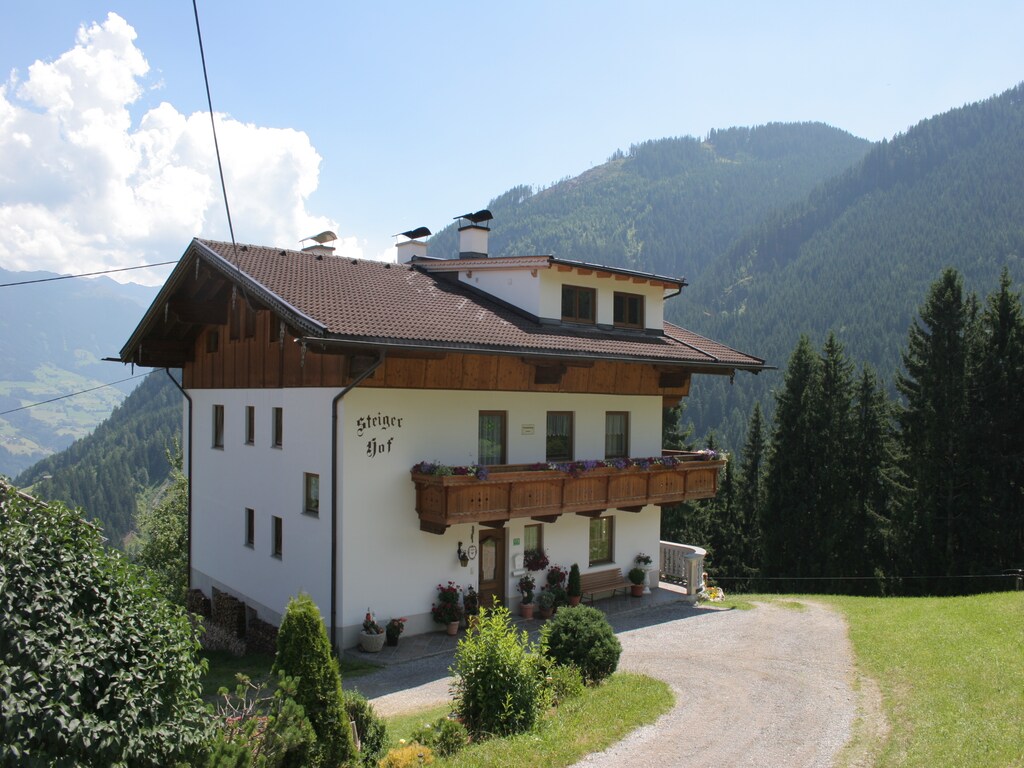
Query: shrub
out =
(575, 586)
(256, 729)
(499, 683)
(95, 667)
(565, 682)
(410, 756)
(303, 651)
(446, 737)
(582, 636)
(372, 730)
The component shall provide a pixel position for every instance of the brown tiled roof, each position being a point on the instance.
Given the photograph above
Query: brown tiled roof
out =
(374, 302)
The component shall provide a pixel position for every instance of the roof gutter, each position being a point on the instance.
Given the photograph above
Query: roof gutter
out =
(334, 491)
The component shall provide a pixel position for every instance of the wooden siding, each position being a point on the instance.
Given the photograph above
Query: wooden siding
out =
(265, 362)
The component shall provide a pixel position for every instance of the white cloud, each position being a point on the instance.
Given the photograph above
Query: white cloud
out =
(82, 189)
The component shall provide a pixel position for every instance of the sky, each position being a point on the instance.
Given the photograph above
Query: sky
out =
(374, 118)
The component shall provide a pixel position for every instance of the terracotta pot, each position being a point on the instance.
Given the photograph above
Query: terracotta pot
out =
(637, 590)
(392, 641)
(575, 599)
(546, 613)
(526, 610)
(453, 628)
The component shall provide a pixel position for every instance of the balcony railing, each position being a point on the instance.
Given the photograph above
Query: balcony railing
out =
(516, 490)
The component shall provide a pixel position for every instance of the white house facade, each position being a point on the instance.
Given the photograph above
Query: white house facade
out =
(317, 385)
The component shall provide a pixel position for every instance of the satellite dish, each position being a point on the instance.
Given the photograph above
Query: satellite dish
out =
(477, 218)
(324, 237)
(414, 234)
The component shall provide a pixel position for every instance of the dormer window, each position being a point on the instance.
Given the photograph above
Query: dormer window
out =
(628, 310)
(578, 304)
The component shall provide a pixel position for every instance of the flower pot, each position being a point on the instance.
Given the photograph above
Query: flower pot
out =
(526, 610)
(453, 628)
(637, 590)
(575, 599)
(546, 613)
(392, 641)
(371, 642)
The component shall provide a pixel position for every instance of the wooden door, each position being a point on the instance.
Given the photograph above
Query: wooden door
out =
(491, 558)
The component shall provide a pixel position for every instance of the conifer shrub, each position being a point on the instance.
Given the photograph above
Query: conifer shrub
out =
(372, 730)
(444, 736)
(95, 667)
(581, 636)
(303, 651)
(499, 678)
(575, 585)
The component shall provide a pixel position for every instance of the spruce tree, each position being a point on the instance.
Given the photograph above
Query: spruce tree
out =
(934, 424)
(750, 492)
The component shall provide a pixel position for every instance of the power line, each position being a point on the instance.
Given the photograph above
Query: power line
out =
(88, 274)
(73, 394)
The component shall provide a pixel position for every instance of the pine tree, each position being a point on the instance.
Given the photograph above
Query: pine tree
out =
(934, 423)
(750, 492)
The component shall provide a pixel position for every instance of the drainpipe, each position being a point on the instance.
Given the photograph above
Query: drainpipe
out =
(334, 492)
(189, 473)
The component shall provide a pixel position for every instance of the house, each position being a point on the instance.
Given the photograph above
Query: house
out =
(315, 384)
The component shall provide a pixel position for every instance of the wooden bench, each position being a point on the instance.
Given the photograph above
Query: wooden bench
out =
(609, 580)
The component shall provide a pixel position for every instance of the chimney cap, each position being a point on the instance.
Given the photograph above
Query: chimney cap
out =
(477, 218)
(415, 234)
(324, 237)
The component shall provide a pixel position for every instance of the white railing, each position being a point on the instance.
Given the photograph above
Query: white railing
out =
(683, 564)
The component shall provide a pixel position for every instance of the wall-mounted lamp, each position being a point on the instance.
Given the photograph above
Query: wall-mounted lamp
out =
(463, 556)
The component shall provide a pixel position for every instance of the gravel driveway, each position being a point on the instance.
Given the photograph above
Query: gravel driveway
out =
(770, 686)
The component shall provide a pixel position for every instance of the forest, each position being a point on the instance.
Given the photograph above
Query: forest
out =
(848, 491)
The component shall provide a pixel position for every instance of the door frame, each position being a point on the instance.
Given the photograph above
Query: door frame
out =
(499, 535)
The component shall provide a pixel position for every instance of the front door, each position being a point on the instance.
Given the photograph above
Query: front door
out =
(492, 566)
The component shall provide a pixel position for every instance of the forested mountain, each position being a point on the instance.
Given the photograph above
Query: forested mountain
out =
(53, 336)
(858, 253)
(125, 456)
(668, 206)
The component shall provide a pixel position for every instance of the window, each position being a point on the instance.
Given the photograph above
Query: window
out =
(250, 527)
(218, 426)
(533, 537)
(311, 493)
(250, 424)
(578, 304)
(276, 536)
(278, 439)
(491, 436)
(601, 534)
(628, 310)
(616, 435)
(559, 436)
(212, 340)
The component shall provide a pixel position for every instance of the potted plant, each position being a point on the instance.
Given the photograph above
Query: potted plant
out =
(394, 629)
(471, 605)
(636, 577)
(526, 587)
(575, 587)
(645, 562)
(546, 603)
(447, 610)
(535, 560)
(371, 639)
(556, 576)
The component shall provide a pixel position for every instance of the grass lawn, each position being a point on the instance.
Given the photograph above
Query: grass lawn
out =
(950, 669)
(599, 718)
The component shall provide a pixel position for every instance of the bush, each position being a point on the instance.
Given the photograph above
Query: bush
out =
(372, 730)
(582, 636)
(446, 737)
(303, 651)
(565, 682)
(575, 586)
(411, 756)
(95, 667)
(256, 729)
(499, 677)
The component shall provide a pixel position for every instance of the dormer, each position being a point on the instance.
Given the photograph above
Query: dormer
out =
(565, 292)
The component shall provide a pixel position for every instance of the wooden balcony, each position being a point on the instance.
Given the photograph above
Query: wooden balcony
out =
(512, 491)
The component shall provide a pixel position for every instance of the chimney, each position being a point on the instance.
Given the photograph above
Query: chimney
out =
(473, 232)
(413, 248)
(320, 247)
